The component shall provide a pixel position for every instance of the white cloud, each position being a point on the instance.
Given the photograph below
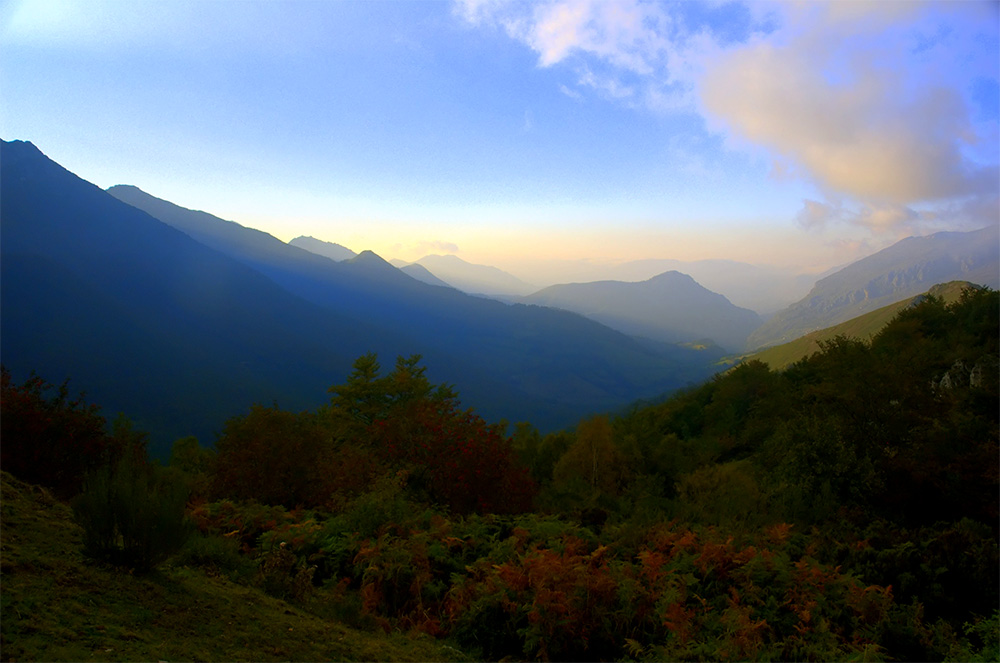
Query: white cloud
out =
(437, 246)
(855, 121)
(866, 100)
(572, 94)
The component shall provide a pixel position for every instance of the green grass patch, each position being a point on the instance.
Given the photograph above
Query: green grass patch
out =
(58, 606)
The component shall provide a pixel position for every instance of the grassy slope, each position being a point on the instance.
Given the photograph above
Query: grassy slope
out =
(862, 327)
(55, 605)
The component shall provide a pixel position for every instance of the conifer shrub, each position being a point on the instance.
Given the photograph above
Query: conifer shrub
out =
(131, 513)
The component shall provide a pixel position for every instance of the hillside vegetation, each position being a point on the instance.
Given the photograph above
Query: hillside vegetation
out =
(59, 606)
(863, 327)
(842, 509)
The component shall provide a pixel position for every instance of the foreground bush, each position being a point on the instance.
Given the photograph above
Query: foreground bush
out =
(132, 514)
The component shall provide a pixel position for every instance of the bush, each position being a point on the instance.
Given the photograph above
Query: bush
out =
(131, 514)
(216, 554)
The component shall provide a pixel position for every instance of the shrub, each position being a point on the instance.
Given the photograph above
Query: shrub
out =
(216, 554)
(131, 514)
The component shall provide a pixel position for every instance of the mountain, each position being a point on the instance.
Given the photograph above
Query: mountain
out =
(421, 273)
(475, 343)
(905, 269)
(670, 307)
(762, 288)
(329, 250)
(147, 320)
(862, 327)
(474, 279)
(180, 334)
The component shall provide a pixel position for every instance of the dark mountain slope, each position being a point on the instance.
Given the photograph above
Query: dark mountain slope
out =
(905, 269)
(555, 361)
(239, 322)
(148, 320)
(670, 307)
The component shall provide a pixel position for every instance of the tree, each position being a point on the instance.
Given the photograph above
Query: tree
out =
(367, 396)
(49, 438)
(593, 457)
(455, 457)
(131, 512)
(276, 457)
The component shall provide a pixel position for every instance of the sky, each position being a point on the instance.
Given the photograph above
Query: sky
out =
(804, 135)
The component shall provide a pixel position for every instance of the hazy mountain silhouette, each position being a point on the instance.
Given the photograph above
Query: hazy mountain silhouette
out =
(329, 250)
(670, 307)
(761, 289)
(474, 279)
(905, 269)
(530, 348)
(180, 334)
(421, 273)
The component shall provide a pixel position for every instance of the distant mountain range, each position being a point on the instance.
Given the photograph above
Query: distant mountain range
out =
(470, 278)
(421, 273)
(862, 327)
(670, 307)
(761, 289)
(181, 319)
(905, 269)
(326, 249)
(764, 289)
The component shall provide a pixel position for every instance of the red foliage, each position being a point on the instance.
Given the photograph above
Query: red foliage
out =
(468, 465)
(49, 440)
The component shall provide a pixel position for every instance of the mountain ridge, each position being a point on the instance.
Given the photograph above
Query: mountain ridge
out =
(902, 270)
(254, 319)
(330, 250)
(670, 307)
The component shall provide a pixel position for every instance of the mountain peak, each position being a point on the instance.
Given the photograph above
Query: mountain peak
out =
(369, 257)
(323, 248)
(672, 276)
(371, 263)
(125, 187)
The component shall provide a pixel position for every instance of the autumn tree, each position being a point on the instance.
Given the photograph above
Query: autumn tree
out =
(274, 456)
(49, 437)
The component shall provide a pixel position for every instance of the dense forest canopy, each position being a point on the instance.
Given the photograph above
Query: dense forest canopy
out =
(846, 507)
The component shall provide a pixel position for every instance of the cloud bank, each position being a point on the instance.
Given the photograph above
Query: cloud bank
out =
(874, 103)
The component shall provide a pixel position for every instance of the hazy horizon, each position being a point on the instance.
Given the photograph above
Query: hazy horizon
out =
(803, 136)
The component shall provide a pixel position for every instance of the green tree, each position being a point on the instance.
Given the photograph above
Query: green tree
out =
(593, 457)
(132, 512)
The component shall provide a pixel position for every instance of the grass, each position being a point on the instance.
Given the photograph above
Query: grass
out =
(56, 605)
(862, 327)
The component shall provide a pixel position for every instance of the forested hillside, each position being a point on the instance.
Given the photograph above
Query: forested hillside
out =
(844, 508)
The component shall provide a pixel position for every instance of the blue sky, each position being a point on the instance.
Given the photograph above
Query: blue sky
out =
(799, 134)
